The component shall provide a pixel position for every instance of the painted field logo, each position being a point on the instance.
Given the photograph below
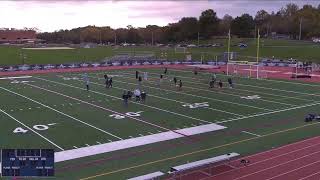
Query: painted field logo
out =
(251, 97)
(196, 105)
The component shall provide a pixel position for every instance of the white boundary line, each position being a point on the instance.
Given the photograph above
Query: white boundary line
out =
(61, 113)
(190, 80)
(272, 112)
(31, 130)
(106, 109)
(272, 80)
(219, 92)
(168, 99)
(121, 99)
(239, 104)
(272, 88)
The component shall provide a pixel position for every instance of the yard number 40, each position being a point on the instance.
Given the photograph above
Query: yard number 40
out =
(38, 127)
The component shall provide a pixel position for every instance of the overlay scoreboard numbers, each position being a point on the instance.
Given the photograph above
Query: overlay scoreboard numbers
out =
(27, 162)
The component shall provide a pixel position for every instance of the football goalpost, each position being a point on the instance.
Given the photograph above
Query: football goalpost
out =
(250, 69)
(303, 70)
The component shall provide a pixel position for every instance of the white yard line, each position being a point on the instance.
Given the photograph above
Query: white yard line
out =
(103, 108)
(71, 117)
(96, 92)
(168, 99)
(31, 130)
(262, 87)
(272, 112)
(237, 89)
(239, 104)
(272, 80)
(251, 133)
(219, 92)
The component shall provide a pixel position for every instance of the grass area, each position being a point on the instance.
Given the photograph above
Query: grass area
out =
(84, 118)
(285, 49)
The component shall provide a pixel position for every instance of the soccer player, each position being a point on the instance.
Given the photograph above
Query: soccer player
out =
(195, 71)
(137, 94)
(143, 97)
(107, 80)
(211, 84)
(137, 74)
(165, 70)
(214, 77)
(110, 82)
(130, 93)
(230, 83)
(220, 84)
(145, 76)
(139, 81)
(86, 80)
(180, 85)
(160, 80)
(175, 81)
(125, 98)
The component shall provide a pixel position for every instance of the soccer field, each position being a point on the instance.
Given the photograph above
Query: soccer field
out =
(171, 128)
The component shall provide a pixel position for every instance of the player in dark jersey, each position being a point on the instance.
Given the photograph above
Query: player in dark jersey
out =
(230, 82)
(106, 80)
(165, 70)
(180, 85)
(110, 82)
(175, 81)
(139, 81)
(220, 84)
(125, 98)
(137, 74)
(143, 97)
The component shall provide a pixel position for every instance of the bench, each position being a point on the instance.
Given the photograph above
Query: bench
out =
(204, 162)
(148, 176)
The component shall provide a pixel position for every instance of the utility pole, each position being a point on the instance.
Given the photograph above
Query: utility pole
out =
(300, 28)
(115, 38)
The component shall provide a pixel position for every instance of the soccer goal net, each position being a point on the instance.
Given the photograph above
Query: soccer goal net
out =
(302, 70)
(246, 69)
(180, 50)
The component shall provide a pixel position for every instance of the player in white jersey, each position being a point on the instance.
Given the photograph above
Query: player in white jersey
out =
(86, 80)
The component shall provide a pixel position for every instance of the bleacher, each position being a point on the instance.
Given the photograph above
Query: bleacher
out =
(148, 176)
(204, 162)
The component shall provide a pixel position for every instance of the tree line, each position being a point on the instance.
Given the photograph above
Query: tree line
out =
(290, 20)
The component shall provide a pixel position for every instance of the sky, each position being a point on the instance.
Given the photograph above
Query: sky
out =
(52, 15)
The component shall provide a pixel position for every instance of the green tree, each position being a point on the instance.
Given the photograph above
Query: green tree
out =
(243, 26)
(208, 23)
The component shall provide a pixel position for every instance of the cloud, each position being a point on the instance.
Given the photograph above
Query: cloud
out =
(50, 15)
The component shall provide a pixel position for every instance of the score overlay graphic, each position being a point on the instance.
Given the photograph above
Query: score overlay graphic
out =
(27, 163)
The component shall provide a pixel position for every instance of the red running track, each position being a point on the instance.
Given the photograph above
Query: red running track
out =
(297, 161)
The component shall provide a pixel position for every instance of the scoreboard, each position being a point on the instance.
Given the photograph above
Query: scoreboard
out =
(27, 163)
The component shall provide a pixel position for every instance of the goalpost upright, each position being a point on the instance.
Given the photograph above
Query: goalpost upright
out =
(229, 39)
(258, 48)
